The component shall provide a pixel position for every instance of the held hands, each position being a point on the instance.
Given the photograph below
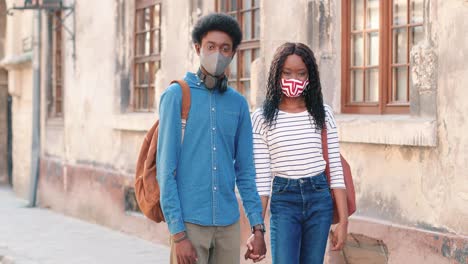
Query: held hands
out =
(256, 248)
(338, 236)
(185, 251)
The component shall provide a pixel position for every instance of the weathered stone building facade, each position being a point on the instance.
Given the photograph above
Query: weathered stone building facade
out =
(403, 134)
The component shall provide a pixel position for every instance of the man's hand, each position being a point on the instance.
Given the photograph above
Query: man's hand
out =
(256, 248)
(338, 237)
(185, 252)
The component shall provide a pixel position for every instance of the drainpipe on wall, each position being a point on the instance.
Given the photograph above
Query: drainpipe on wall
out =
(36, 107)
(10, 141)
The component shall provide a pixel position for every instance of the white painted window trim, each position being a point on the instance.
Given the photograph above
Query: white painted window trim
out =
(54, 121)
(387, 129)
(17, 61)
(138, 122)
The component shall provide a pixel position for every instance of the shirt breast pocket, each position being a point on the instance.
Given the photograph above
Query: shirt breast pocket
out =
(228, 122)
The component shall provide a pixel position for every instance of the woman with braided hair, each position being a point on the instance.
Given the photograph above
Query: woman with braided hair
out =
(289, 163)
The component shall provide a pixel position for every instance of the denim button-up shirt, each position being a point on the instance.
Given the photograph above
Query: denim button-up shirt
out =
(197, 176)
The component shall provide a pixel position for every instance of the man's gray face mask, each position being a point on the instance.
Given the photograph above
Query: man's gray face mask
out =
(214, 63)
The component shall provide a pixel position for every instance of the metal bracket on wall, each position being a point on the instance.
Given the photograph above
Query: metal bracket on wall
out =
(51, 6)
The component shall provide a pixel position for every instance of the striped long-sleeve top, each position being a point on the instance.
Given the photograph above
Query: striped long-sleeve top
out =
(292, 148)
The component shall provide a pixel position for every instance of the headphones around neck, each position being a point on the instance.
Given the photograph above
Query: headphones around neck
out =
(212, 82)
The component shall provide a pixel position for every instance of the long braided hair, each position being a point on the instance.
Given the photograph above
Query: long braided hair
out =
(312, 93)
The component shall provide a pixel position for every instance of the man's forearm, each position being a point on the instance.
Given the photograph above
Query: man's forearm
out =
(250, 199)
(170, 200)
(170, 203)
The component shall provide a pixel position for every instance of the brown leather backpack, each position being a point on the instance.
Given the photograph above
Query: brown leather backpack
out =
(146, 186)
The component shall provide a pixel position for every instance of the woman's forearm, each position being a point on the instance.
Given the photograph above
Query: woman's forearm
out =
(341, 204)
(265, 199)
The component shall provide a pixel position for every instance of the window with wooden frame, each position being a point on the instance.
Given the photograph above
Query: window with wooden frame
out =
(247, 13)
(147, 57)
(55, 92)
(377, 40)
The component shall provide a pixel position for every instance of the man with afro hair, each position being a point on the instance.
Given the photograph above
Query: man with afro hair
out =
(201, 161)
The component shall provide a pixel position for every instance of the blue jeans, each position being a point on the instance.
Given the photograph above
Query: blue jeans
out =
(301, 216)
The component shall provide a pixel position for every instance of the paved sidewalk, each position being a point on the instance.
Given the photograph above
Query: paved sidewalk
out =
(40, 236)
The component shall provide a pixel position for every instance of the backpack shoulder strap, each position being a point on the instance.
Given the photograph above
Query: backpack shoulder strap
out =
(185, 97)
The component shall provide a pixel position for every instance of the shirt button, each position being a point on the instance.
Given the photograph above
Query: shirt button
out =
(214, 168)
(214, 128)
(213, 109)
(215, 188)
(214, 148)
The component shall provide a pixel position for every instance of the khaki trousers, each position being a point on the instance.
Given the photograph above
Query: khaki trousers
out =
(214, 244)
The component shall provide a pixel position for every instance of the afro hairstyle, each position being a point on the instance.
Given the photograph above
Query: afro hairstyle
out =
(217, 22)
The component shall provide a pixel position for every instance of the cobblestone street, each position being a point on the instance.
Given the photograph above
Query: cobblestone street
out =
(40, 236)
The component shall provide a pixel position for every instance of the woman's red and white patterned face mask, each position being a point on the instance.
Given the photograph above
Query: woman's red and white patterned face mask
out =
(293, 87)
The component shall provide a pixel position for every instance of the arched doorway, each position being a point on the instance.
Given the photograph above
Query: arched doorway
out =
(5, 106)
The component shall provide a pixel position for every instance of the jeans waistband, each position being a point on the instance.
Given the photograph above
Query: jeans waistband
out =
(304, 180)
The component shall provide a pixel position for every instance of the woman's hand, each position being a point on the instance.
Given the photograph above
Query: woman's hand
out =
(338, 237)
